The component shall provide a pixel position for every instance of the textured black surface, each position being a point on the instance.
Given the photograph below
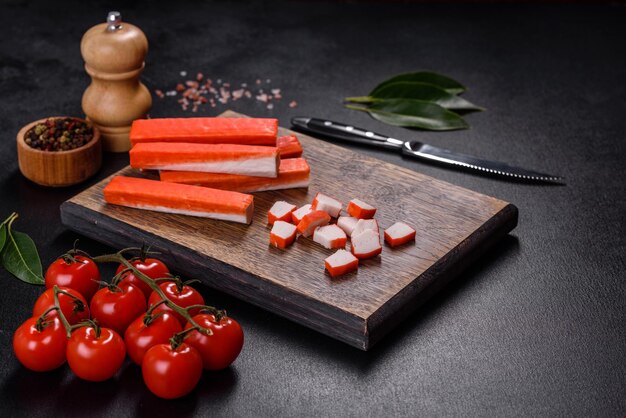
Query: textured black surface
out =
(535, 328)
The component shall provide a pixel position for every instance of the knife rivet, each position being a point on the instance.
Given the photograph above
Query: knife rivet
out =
(349, 128)
(368, 133)
(328, 123)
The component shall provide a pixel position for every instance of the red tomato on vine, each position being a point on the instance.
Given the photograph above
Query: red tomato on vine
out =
(170, 372)
(40, 344)
(221, 348)
(75, 309)
(140, 337)
(151, 267)
(182, 295)
(95, 353)
(76, 272)
(116, 307)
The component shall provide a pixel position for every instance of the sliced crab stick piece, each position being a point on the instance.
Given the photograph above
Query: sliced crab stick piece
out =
(366, 245)
(298, 214)
(398, 234)
(247, 131)
(292, 173)
(363, 225)
(248, 160)
(312, 220)
(283, 234)
(327, 204)
(330, 236)
(280, 211)
(289, 146)
(347, 223)
(179, 198)
(360, 210)
(340, 263)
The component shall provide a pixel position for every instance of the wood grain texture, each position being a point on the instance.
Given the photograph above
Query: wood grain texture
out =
(454, 226)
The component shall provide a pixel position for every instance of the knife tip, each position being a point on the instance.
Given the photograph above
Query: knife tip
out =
(300, 121)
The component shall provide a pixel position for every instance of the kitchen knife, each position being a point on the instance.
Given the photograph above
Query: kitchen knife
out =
(415, 149)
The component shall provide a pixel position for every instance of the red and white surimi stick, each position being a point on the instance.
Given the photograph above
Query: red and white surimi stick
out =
(250, 131)
(366, 245)
(360, 210)
(347, 223)
(312, 220)
(280, 211)
(340, 263)
(283, 234)
(330, 236)
(292, 173)
(363, 225)
(179, 198)
(298, 214)
(327, 204)
(289, 146)
(249, 160)
(398, 234)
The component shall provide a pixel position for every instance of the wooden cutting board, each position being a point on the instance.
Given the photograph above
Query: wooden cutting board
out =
(454, 226)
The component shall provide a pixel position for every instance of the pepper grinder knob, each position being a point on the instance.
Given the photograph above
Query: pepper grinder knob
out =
(114, 56)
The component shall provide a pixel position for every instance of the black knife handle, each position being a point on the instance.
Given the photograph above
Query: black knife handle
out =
(336, 130)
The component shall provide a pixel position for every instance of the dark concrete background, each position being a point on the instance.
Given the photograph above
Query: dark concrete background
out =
(535, 328)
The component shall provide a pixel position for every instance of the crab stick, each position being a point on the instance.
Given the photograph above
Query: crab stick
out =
(298, 214)
(289, 146)
(360, 210)
(247, 131)
(312, 220)
(340, 263)
(280, 211)
(366, 245)
(327, 204)
(283, 234)
(179, 198)
(347, 223)
(248, 160)
(330, 236)
(363, 225)
(292, 173)
(398, 234)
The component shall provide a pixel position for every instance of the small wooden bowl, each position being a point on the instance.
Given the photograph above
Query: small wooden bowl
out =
(58, 168)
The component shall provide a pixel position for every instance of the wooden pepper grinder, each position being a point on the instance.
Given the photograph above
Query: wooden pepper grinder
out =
(114, 55)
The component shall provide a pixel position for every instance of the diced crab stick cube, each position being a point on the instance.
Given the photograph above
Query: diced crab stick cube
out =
(292, 173)
(347, 223)
(179, 198)
(289, 146)
(312, 220)
(298, 214)
(340, 263)
(280, 211)
(327, 204)
(330, 236)
(363, 225)
(283, 234)
(249, 131)
(249, 160)
(398, 234)
(366, 245)
(360, 210)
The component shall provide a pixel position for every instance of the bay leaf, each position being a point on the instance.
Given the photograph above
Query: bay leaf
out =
(19, 256)
(413, 114)
(448, 84)
(3, 236)
(418, 91)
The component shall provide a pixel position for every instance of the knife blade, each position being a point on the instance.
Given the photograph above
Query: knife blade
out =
(415, 149)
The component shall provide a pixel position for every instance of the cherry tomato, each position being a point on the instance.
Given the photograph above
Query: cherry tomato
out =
(40, 350)
(219, 350)
(187, 296)
(151, 267)
(73, 310)
(117, 308)
(95, 358)
(139, 337)
(171, 373)
(81, 275)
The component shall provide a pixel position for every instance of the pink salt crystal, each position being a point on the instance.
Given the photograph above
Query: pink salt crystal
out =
(199, 76)
(237, 94)
(293, 104)
(159, 93)
(262, 98)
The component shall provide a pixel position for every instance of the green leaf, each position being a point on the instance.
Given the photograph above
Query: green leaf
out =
(418, 91)
(3, 236)
(19, 256)
(441, 81)
(413, 114)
